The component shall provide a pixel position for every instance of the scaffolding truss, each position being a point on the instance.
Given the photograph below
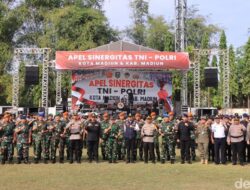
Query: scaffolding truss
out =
(196, 73)
(45, 52)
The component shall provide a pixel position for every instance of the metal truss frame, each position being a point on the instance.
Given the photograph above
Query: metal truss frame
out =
(196, 72)
(45, 52)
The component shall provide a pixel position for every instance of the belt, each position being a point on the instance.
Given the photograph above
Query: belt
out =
(148, 135)
(237, 136)
(78, 133)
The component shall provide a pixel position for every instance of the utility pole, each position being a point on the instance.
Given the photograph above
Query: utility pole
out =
(180, 44)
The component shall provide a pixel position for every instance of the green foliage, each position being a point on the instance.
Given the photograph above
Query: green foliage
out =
(246, 71)
(158, 35)
(139, 16)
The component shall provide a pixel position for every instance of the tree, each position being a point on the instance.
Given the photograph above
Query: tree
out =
(245, 73)
(137, 32)
(233, 85)
(158, 35)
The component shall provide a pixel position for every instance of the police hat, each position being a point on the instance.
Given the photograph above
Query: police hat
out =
(245, 115)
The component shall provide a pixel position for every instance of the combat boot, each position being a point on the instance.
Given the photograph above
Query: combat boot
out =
(18, 161)
(172, 161)
(36, 161)
(3, 162)
(53, 161)
(168, 158)
(45, 161)
(163, 161)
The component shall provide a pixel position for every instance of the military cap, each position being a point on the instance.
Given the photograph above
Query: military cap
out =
(65, 113)
(130, 115)
(171, 113)
(149, 118)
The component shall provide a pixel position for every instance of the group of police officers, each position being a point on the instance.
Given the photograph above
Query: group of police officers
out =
(124, 137)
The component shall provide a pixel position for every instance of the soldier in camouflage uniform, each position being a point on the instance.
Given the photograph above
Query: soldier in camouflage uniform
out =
(168, 133)
(65, 138)
(23, 139)
(33, 123)
(112, 132)
(156, 135)
(50, 125)
(192, 136)
(139, 142)
(39, 132)
(121, 148)
(104, 125)
(6, 139)
(57, 139)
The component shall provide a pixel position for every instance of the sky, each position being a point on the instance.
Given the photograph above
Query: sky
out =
(231, 15)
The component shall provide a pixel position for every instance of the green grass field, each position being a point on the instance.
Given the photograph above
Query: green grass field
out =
(121, 176)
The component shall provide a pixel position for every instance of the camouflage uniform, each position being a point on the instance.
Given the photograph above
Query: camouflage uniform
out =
(156, 140)
(34, 124)
(121, 148)
(7, 147)
(168, 141)
(104, 125)
(56, 139)
(41, 144)
(22, 138)
(112, 142)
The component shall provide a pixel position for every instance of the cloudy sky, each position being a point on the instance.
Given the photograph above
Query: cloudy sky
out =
(232, 15)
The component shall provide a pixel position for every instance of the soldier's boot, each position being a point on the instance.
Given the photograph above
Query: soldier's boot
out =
(45, 161)
(36, 160)
(172, 161)
(163, 161)
(168, 158)
(61, 161)
(71, 161)
(53, 161)
(10, 161)
(19, 161)
(189, 161)
(3, 161)
(110, 161)
(26, 161)
(115, 162)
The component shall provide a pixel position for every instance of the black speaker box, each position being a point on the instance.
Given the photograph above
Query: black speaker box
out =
(211, 77)
(31, 75)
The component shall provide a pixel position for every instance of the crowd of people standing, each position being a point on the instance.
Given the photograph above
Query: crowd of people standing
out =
(124, 137)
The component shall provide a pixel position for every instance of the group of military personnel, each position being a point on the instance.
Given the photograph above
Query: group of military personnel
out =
(123, 137)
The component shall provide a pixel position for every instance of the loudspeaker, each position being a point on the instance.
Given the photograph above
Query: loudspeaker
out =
(211, 76)
(177, 96)
(32, 75)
